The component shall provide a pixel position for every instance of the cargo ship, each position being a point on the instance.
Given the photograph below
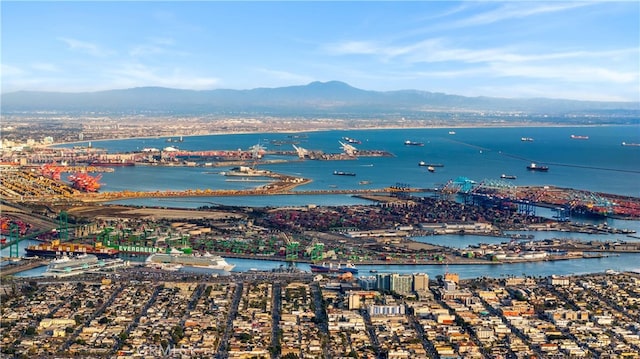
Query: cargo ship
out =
(85, 182)
(424, 164)
(534, 167)
(413, 143)
(631, 144)
(331, 268)
(85, 263)
(352, 140)
(504, 176)
(342, 173)
(112, 163)
(56, 249)
(577, 137)
(176, 259)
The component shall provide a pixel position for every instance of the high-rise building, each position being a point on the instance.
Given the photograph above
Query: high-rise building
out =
(401, 283)
(420, 282)
(383, 281)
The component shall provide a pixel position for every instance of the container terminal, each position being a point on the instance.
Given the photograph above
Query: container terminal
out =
(29, 185)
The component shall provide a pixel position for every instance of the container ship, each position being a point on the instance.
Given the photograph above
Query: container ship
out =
(342, 173)
(352, 140)
(535, 167)
(85, 263)
(577, 137)
(331, 268)
(85, 182)
(425, 164)
(112, 163)
(56, 249)
(177, 260)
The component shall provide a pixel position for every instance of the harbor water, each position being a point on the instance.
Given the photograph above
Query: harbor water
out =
(599, 164)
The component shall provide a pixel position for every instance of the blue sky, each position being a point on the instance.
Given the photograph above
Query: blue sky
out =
(575, 50)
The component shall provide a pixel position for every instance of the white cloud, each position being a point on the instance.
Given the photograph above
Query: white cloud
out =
(155, 46)
(45, 67)
(515, 10)
(437, 50)
(569, 73)
(86, 47)
(10, 71)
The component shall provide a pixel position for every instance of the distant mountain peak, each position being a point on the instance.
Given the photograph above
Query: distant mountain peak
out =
(332, 83)
(317, 97)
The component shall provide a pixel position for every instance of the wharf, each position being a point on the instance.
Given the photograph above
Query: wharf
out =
(450, 260)
(22, 265)
(277, 189)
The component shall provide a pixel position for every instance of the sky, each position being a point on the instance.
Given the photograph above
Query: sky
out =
(515, 49)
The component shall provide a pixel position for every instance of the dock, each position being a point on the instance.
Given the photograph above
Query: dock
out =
(22, 265)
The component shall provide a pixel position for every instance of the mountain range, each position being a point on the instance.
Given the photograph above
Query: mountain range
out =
(314, 99)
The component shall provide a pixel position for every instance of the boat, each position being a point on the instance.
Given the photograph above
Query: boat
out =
(56, 249)
(174, 139)
(244, 171)
(334, 268)
(67, 266)
(342, 173)
(424, 164)
(413, 143)
(526, 139)
(431, 169)
(577, 137)
(452, 132)
(175, 257)
(112, 163)
(504, 176)
(364, 182)
(631, 144)
(352, 140)
(534, 167)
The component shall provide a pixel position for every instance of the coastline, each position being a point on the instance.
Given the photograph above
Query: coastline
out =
(348, 128)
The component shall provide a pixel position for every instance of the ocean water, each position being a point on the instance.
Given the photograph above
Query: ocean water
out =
(599, 164)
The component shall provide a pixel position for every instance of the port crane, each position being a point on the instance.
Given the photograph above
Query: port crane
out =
(291, 249)
(348, 149)
(302, 152)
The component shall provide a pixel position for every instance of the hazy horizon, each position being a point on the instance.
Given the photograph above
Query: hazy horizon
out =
(565, 50)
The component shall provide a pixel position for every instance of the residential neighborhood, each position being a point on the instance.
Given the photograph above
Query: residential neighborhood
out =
(298, 315)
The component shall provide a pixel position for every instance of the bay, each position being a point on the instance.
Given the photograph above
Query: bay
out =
(599, 164)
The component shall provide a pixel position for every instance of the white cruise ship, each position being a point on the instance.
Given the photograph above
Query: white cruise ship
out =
(84, 263)
(177, 260)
